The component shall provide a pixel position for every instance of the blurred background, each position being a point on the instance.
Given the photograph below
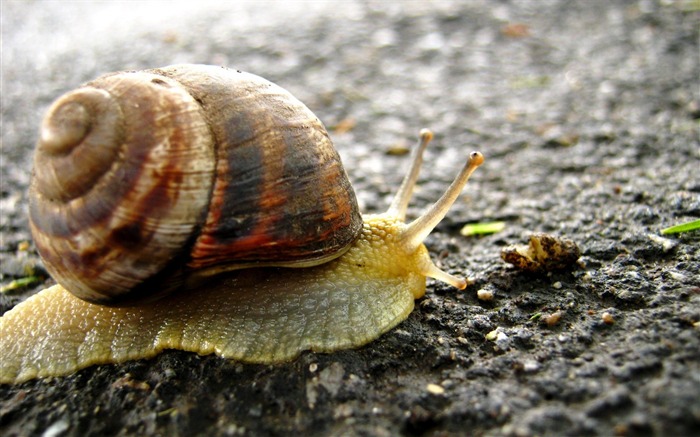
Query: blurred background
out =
(492, 75)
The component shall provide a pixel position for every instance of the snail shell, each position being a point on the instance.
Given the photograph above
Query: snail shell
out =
(160, 182)
(151, 177)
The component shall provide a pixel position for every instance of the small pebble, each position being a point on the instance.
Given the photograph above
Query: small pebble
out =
(553, 318)
(343, 411)
(491, 336)
(666, 243)
(435, 389)
(57, 428)
(484, 294)
(608, 318)
(503, 342)
(398, 149)
(531, 366)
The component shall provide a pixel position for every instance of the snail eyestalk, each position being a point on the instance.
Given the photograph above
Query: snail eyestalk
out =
(421, 227)
(430, 270)
(403, 195)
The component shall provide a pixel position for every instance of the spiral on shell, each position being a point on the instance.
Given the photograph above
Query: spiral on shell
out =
(158, 176)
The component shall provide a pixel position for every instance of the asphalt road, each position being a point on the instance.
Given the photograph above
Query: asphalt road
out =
(588, 115)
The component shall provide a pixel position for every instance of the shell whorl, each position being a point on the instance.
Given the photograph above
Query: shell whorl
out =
(71, 138)
(119, 185)
(143, 179)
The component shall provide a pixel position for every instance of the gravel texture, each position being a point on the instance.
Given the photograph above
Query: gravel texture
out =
(588, 114)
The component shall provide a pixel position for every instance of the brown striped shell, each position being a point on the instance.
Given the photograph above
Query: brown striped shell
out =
(157, 177)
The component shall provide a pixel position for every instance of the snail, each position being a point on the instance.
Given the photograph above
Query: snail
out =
(205, 209)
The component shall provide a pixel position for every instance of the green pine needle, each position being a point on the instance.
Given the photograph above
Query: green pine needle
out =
(485, 228)
(19, 283)
(683, 227)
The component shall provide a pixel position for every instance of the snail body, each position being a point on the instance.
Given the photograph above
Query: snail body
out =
(231, 291)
